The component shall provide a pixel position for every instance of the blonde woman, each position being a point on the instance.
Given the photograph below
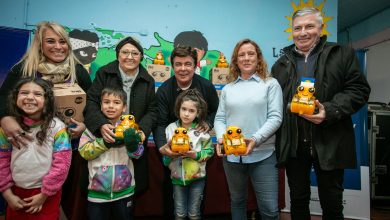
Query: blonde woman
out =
(49, 57)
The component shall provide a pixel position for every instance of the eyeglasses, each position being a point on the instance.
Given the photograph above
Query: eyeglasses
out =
(36, 94)
(126, 53)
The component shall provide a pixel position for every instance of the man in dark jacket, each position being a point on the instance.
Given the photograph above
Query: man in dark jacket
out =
(184, 59)
(324, 140)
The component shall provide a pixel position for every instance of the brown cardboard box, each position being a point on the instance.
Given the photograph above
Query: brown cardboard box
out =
(70, 100)
(219, 75)
(160, 73)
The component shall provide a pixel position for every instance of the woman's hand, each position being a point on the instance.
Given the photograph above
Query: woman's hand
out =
(166, 150)
(13, 201)
(16, 135)
(76, 128)
(107, 134)
(250, 144)
(35, 203)
(219, 148)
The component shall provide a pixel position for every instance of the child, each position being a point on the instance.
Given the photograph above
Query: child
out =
(111, 174)
(188, 170)
(31, 176)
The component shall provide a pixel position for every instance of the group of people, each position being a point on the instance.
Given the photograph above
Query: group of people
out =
(36, 146)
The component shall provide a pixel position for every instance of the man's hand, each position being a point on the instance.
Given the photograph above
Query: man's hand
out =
(316, 118)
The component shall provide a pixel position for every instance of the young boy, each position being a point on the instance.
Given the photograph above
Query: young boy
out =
(111, 174)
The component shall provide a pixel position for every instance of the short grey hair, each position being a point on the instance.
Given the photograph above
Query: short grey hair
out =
(306, 11)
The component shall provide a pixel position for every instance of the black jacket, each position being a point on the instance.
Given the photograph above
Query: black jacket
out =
(166, 96)
(341, 88)
(82, 77)
(142, 106)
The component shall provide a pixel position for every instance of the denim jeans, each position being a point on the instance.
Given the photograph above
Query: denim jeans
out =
(264, 178)
(187, 200)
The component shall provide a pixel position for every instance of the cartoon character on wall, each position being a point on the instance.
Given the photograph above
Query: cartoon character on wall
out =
(85, 45)
(196, 40)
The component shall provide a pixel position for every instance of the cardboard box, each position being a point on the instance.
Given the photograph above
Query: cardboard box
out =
(219, 76)
(160, 73)
(70, 100)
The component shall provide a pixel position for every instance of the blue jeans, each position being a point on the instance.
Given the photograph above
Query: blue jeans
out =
(187, 200)
(264, 178)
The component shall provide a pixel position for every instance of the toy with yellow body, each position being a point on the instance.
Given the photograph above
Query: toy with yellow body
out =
(159, 60)
(233, 141)
(180, 140)
(126, 121)
(222, 63)
(303, 101)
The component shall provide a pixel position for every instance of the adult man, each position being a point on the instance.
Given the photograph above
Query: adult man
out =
(183, 59)
(324, 140)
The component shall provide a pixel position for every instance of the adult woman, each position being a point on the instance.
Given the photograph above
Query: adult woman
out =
(50, 57)
(253, 102)
(127, 73)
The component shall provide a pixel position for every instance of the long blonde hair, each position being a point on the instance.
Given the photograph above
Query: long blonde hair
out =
(34, 55)
(261, 68)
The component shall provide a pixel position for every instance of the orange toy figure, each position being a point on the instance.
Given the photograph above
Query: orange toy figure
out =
(233, 141)
(303, 101)
(180, 140)
(222, 63)
(159, 60)
(126, 121)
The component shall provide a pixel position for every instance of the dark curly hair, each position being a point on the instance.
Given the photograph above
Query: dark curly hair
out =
(195, 96)
(48, 111)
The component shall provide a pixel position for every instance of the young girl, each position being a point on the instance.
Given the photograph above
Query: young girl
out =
(111, 171)
(31, 175)
(188, 170)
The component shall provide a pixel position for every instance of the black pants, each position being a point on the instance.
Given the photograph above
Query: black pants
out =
(330, 188)
(118, 210)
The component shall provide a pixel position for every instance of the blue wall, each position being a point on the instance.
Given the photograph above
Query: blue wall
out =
(222, 22)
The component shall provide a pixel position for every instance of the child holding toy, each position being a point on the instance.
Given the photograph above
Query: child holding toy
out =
(188, 169)
(111, 171)
(32, 174)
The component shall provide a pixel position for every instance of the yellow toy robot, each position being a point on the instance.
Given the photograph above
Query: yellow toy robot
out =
(222, 63)
(233, 141)
(159, 60)
(126, 121)
(180, 140)
(303, 102)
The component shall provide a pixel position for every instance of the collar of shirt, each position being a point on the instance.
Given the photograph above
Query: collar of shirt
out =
(254, 76)
(126, 78)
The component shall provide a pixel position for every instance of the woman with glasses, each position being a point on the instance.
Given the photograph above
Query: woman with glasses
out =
(127, 73)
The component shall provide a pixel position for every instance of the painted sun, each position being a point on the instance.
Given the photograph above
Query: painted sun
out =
(309, 3)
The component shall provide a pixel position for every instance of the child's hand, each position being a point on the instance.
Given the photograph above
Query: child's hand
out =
(203, 127)
(13, 201)
(35, 203)
(166, 150)
(131, 139)
(77, 128)
(190, 154)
